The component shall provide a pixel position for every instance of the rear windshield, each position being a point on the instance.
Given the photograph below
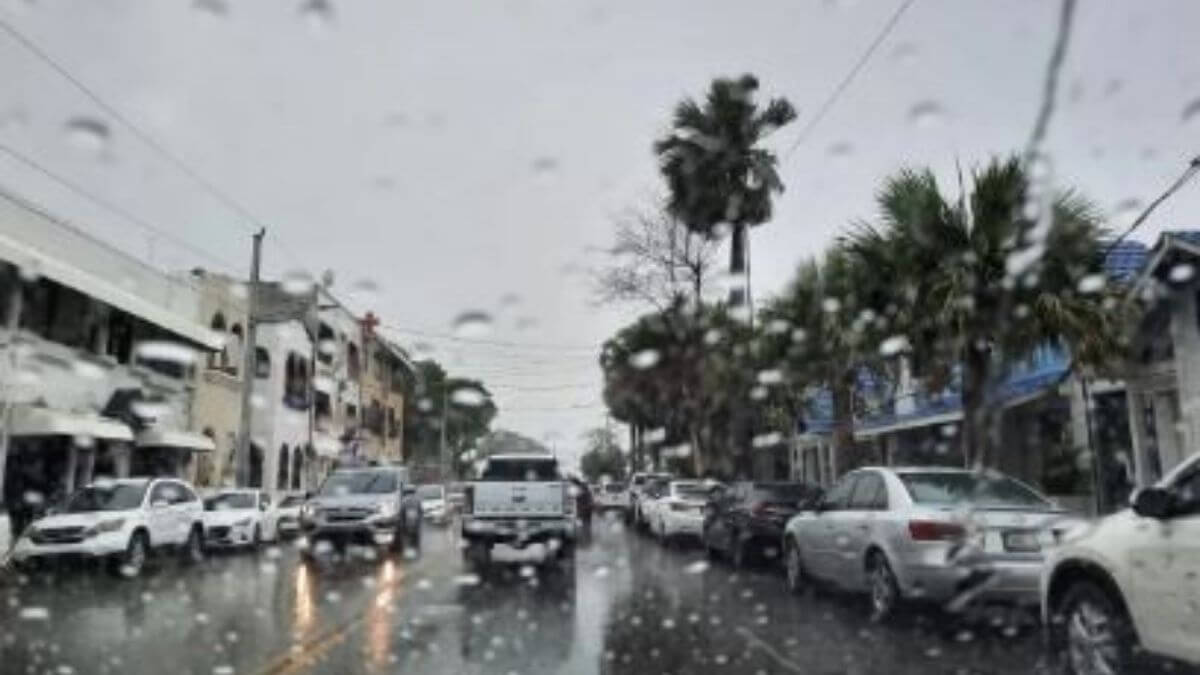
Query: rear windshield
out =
(430, 492)
(970, 488)
(518, 470)
(614, 488)
(691, 491)
(359, 483)
(789, 493)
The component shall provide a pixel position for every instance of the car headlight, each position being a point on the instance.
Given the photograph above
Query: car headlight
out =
(109, 525)
(387, 509)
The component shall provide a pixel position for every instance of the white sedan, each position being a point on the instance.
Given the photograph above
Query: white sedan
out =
(239, 518)
(678, 510)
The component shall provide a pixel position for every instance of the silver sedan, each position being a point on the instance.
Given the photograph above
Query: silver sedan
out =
(944, 535)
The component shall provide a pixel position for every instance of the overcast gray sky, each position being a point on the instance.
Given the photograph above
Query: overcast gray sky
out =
(454, 153)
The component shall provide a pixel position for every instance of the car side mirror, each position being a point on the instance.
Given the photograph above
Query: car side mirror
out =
(1153, 502)
(159, 504)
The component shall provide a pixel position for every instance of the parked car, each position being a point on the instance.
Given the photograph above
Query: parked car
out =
(613, 497)
(455, 497)
(368, 505)
(122, 521)
(287, 523)
(242, 517)
(746, 520)
(944, 535)
(677, 509)
(433, 503)
(638, 483)
(1132, 583)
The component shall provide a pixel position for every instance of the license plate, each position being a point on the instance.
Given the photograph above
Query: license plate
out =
(1021, 542)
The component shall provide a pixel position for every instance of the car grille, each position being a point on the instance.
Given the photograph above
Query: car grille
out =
(346, 515)
(218, 532)
(57, 535)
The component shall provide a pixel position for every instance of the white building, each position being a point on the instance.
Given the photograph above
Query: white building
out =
(97, 378)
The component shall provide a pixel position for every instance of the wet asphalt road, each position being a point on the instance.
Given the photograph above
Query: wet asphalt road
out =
(627, 606)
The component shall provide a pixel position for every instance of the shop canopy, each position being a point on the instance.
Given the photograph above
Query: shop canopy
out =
(38, 421)
(180, 440)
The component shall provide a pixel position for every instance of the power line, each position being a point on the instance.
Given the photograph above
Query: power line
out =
(178, 162)
(845, 83)
(580, 406)
(113, 208)
(498, 343)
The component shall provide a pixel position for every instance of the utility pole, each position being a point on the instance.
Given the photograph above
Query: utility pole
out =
(442, 450)
(242, 469)
(11, 323)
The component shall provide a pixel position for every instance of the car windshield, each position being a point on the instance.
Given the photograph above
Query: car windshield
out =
(229, 501)
(458, 289)
(430, 492)
(112, 497)
(342, 483)
(519, 470)
(942, 489)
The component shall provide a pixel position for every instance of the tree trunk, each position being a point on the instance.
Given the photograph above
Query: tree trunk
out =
(977, 412)
(843, 420)
(737, 265)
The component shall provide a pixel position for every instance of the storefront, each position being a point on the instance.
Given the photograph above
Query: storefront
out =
(163, 452)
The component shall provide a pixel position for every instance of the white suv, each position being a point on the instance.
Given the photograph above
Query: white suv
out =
(1132, 582)
(121, 521)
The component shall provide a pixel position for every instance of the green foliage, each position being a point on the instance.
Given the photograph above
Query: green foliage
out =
(423, 414)
(602, 456)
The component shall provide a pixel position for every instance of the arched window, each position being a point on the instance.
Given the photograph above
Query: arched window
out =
(297, 467)
(295, 383)
(237, 342)
(352, 364)
(219, 360)
(281, 481)
(262, 363)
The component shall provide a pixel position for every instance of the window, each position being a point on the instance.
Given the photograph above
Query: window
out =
(392, 429)
(281, 479)
(295, 382)
(517, 470)
(839, 496)
(164, 492)
(948, 488)
(326, 344)
(351, 413)
(364, 482)
(870, 493)
(352, 360)
(236, 345)
(219, 360)
(262, 363)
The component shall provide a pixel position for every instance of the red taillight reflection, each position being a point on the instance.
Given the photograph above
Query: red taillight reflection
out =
(934, 530)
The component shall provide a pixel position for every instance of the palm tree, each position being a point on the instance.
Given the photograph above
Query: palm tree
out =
(716, 172)
(824, 334)
(978, 284)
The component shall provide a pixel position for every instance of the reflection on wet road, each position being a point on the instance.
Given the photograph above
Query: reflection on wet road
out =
(628, 606)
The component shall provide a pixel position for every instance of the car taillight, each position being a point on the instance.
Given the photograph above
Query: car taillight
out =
(469, 499)
(935, 530)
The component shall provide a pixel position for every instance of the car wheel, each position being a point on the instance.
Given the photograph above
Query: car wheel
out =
(1094, 630)
(256, 538)
(797, 578)
(193, 548)
(885, 592)
(709, 549)
(133, 560)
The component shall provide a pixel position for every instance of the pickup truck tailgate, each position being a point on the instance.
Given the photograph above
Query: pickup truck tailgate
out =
(523, 499)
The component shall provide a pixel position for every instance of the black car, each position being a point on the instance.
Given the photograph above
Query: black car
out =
(744, 521)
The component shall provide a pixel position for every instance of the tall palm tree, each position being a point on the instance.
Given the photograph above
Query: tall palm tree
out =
(717, 174)
(979, 283)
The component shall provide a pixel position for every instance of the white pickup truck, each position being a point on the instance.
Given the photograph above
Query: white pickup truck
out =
(518, 500)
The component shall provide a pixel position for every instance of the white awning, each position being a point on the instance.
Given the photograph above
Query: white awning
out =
(36, 421)
(126, 299)
(183, 440)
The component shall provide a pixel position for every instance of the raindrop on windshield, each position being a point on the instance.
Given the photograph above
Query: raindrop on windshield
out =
(1191, 112)
(926, 115)
(1182, 272)
(772, 376)
(297, 282)
(544, 164)
(318, 13)
(893, 345)
(170, 352)
(468, 396)
(904, 53)
(644, 359)
(831, 305)
(1092, 283)
(214, 7)
(767, 440)
(472, 324)
(1126, 209)
(88, 134)
(698, 567)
